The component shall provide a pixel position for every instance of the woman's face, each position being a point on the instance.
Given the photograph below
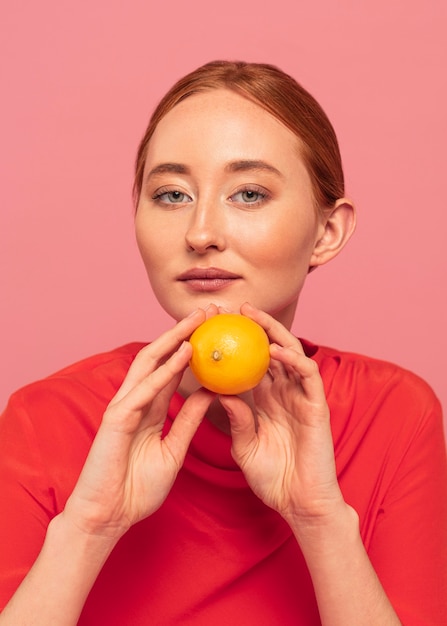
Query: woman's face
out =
(226, 213)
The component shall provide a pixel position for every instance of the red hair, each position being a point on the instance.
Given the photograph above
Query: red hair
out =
(279, 94)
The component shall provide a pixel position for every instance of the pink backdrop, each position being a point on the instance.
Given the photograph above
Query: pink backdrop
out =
(78, 82)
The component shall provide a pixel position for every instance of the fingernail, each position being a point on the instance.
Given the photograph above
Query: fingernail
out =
(192, 313)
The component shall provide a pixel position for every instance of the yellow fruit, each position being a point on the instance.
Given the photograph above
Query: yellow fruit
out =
(230, 353)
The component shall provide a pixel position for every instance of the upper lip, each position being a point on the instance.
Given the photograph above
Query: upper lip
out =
(204, 273)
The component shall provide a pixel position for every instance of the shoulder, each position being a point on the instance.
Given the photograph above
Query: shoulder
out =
(85, 386)
(375, 395)
(102, 362)
(359, 374)
(47, 428)
(385, 419)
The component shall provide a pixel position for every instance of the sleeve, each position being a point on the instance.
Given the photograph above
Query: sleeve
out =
(409, 544)
(26, 501)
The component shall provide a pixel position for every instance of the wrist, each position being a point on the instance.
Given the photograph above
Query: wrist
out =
(56, 587)
(91, 521)
(347, 589)
(326, 532)
(91, 547)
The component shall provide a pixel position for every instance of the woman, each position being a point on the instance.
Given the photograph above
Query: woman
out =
(137, 510)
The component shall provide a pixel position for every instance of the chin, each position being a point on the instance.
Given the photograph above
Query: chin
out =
(188, 306)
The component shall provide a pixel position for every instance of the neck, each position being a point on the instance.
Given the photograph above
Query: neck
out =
(216, 414)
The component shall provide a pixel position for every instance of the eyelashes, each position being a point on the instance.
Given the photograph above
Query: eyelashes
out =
(173, 196)
(246, 196)
(251, 195)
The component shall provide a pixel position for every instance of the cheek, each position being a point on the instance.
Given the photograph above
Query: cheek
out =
(151, 242)
(151, 250)
(278, 247)
(144, 246)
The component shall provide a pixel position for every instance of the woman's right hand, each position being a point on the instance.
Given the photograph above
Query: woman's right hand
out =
(130, 468)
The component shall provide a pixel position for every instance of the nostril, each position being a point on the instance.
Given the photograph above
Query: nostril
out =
(201, 241)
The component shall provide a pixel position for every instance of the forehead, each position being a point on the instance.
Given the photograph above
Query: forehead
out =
(222, 123)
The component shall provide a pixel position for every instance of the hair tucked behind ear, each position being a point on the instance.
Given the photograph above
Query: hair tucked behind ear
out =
(279, 94)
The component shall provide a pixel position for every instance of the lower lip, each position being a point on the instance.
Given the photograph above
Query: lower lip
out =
(209, 284)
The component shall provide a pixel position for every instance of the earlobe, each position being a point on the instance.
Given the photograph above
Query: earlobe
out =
(336, 228)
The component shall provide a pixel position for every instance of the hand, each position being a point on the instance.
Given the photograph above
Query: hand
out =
(284, 443)
(130, 469)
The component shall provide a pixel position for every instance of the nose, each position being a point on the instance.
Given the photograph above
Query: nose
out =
(205, 230)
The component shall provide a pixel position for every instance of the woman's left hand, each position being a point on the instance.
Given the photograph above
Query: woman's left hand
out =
(284, 444)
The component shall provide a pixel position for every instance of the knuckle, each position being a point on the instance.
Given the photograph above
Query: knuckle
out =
(313, 366)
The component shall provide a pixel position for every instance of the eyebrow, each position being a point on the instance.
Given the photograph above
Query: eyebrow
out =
(245, 165)
(252, 166)
(168, 168)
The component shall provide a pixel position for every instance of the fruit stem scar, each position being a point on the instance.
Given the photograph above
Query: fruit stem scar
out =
(216, 355)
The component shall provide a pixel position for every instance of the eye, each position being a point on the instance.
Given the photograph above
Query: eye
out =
(250, 195)
(171, 196)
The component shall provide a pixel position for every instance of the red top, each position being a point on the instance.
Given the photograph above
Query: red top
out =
(213, 553)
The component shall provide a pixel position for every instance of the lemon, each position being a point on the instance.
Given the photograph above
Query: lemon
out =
(230, 353)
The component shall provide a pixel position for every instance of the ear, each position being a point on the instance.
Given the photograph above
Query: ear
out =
(335, 230)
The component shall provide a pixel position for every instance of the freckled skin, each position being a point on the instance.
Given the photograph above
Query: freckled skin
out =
(259, 224)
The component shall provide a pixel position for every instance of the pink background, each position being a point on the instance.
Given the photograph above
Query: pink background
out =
(78, 82)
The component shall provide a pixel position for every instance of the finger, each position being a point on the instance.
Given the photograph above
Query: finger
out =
(281, 369)
(303, 367)
(242, 425)
(161, 402)
(159, 406)
(187, 422)
(274, 329)
(211, 310)
(128, 412)
(276, 368)
(150, 357)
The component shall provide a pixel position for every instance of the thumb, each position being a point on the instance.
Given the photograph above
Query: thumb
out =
(242, 425)
(187, 422)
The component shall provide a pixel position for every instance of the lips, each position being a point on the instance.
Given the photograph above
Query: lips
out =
(208, 278)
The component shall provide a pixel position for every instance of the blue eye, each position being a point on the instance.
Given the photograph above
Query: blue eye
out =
(250, 196)
(171, 197)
